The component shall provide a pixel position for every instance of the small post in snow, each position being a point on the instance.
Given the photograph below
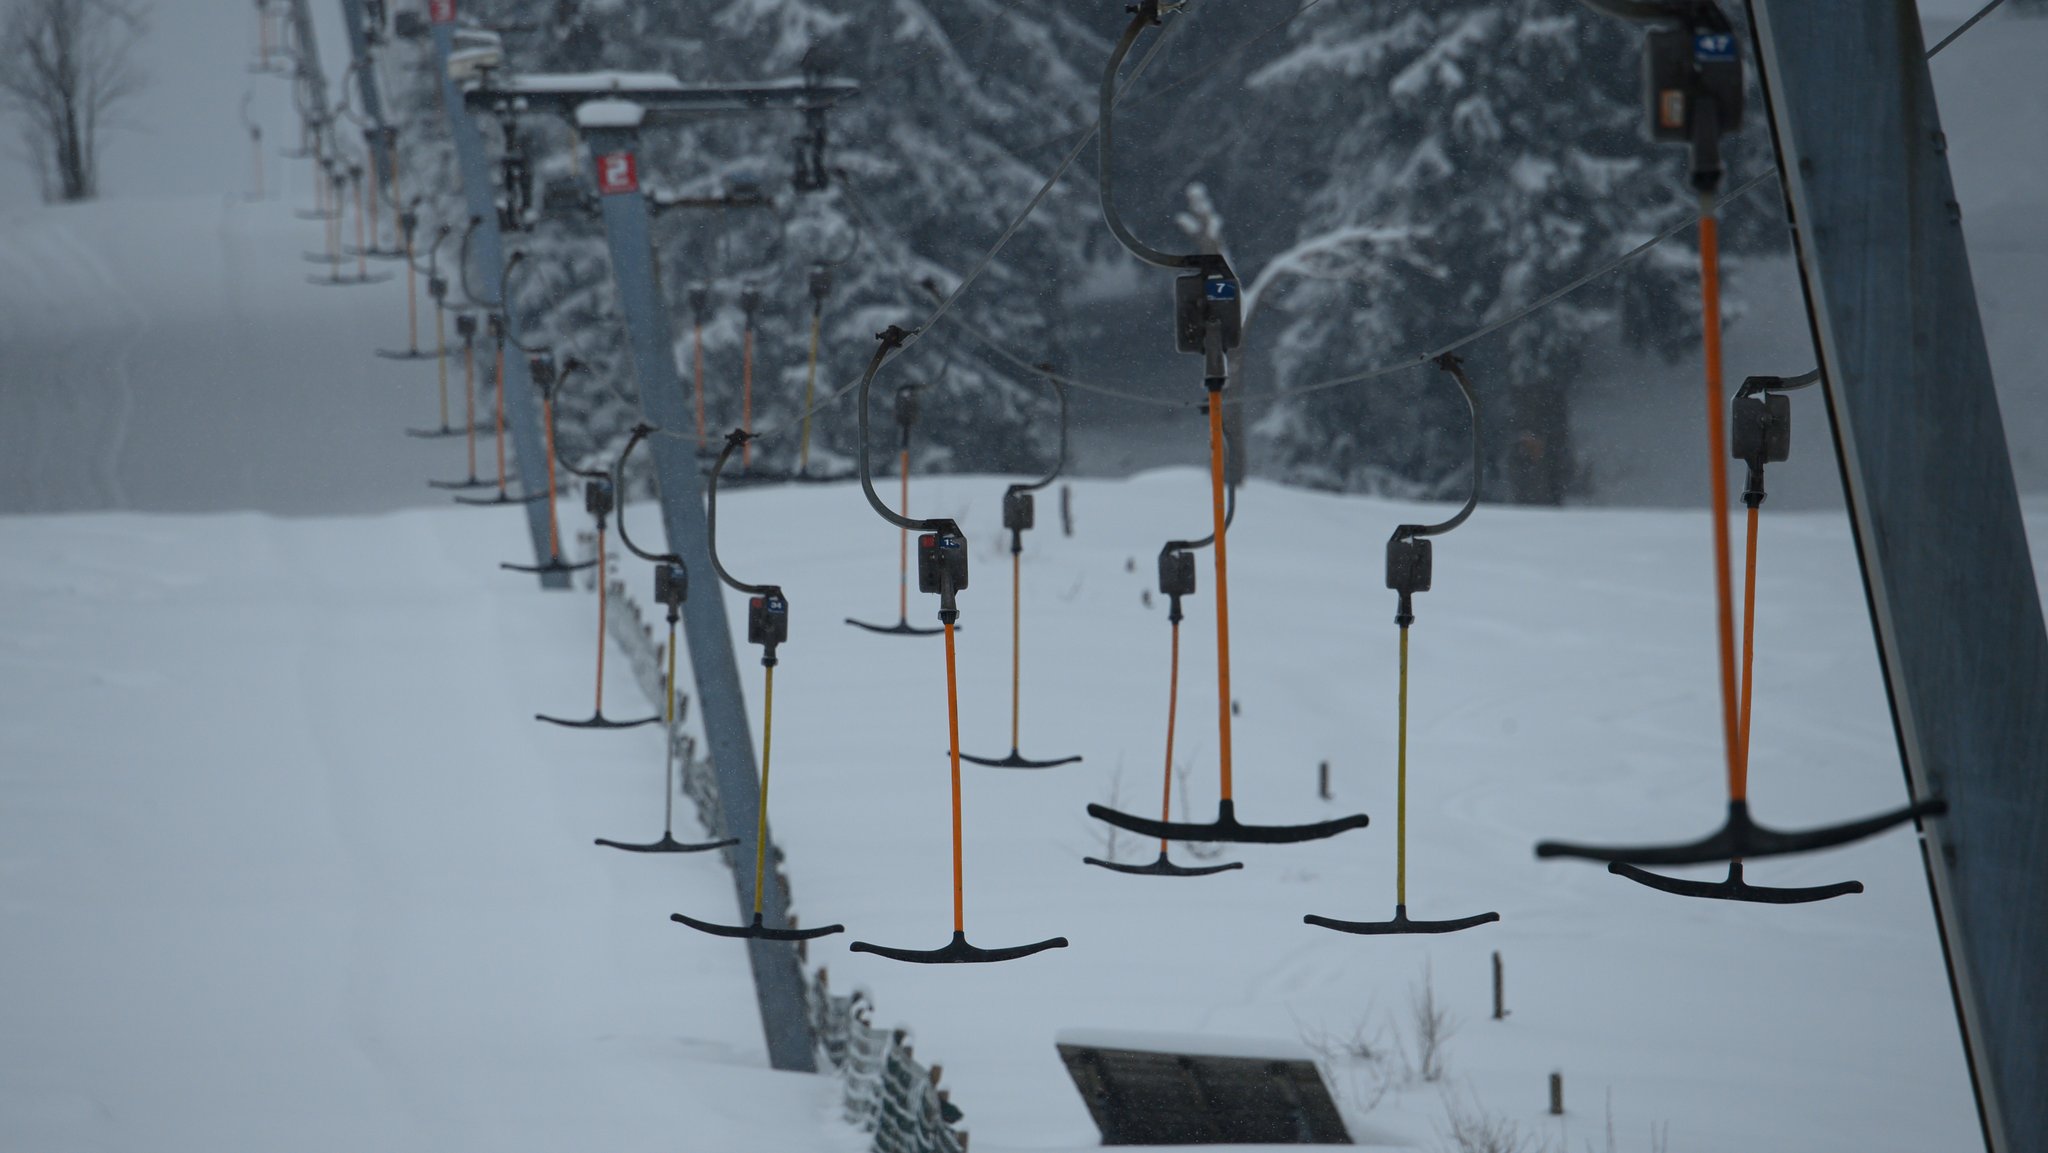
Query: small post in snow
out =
(1557, 1094)
(1066, 510)
(1323, 793)
(1500, 1011)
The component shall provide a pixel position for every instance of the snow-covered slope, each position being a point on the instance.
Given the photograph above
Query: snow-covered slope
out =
(1562, 686)
(287, 864)
(170, 356)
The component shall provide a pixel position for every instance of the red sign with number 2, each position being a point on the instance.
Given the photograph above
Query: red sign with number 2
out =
(617, 172)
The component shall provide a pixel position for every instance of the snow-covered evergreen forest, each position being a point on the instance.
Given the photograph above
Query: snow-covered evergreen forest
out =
(1381, 178)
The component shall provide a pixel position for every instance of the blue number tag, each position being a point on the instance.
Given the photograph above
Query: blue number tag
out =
(1220, 289)
(1713, 47)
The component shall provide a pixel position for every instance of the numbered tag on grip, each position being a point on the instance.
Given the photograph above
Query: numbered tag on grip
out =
(941, 562)
(1019, 510)
(768, 619)
(671, 584)
(1198, 298)
(1684, 69)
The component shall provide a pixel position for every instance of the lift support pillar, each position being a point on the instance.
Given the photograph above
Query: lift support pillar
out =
(1928, 479)
(487, 256)
(778, 977)
(354, 19)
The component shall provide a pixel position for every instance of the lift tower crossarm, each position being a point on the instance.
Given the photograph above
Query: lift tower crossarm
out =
(660, 97)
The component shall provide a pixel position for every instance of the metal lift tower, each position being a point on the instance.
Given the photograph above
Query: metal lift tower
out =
(1928, 477)
(488, 255)
(608, 112)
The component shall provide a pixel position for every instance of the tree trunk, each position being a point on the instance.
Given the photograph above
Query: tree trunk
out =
(1541, 460)
(71, 156)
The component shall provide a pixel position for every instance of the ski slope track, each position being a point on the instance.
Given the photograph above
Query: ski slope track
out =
(285, 863)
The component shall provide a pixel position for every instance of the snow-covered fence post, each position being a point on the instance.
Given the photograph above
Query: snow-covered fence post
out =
(887, 1092)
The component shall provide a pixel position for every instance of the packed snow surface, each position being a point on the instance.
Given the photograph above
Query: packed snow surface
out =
(289, 865)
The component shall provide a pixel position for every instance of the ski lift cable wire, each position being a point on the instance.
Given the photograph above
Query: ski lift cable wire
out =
(1422, 359)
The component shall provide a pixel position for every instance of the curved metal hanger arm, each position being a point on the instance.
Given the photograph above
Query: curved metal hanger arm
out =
(1059, 464)
(733, 440)
(640, 433)
(1755, 384)
(1451, 364)
(1145, 12)
(571, 366)
(1229, 515)
(890, 340)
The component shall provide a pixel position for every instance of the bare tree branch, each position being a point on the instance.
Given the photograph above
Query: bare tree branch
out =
(66, 68)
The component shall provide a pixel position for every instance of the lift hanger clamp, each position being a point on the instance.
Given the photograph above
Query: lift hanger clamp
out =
(599, 498)
(1693, 85)
(1210, 294)
(1176, 578)
(1762, 435)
